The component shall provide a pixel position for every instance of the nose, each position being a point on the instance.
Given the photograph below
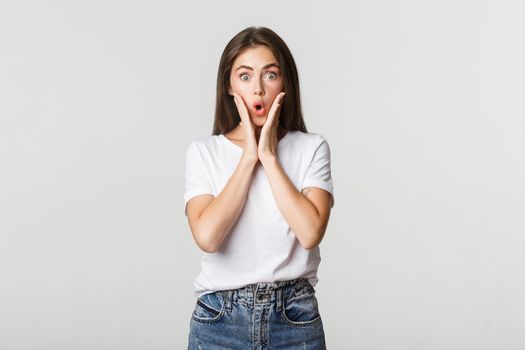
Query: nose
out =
(258, 87)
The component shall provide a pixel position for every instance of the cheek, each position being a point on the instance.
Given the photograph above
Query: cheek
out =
(274, 91)
(239, 88)
(275, 87)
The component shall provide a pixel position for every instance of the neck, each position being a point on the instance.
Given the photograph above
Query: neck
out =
(257, 131)
(280, 133)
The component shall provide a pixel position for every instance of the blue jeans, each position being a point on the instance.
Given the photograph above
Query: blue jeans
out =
(259, 316)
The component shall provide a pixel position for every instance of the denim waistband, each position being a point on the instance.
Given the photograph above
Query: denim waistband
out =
(267, 292)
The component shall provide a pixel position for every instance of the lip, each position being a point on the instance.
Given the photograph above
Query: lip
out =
(258, 112)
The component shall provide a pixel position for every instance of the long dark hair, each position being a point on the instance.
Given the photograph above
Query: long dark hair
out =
(226, 113)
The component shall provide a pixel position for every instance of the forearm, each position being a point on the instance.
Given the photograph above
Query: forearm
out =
(219, 216)
(299, 212)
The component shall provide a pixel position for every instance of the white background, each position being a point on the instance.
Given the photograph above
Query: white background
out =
(422, 103)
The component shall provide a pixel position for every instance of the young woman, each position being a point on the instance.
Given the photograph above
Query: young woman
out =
(258, 197)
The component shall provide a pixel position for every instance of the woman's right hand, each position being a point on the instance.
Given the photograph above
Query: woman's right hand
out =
(250, 143)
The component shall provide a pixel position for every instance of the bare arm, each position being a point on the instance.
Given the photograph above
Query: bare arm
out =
(306, 212)
(211, 218)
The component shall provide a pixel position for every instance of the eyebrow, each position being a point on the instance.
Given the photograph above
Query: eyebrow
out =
(266, 66)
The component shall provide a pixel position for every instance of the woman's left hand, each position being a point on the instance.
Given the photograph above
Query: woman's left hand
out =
(267, 146)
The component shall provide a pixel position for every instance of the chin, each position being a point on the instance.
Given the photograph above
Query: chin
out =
(259, 121)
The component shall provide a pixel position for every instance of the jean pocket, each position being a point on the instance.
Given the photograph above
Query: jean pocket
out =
(209, 308)
(302, 310)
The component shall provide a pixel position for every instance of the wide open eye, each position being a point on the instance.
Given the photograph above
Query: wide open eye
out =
(271, 75)
(244, 75)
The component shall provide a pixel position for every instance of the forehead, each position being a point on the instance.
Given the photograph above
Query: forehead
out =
(255, 57)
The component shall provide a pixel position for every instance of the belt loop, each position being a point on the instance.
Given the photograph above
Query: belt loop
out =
(228, 300)
(279, 298)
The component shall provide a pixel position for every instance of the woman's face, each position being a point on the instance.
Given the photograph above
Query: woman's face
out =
(256, 76)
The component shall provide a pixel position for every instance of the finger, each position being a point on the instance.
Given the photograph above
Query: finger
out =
(241, 106)
(246, 121)
(277, 103)
(275, 108)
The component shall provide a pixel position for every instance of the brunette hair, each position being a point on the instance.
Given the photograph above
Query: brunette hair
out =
(226, 113)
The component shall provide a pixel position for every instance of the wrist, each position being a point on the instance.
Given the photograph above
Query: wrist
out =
(249, 159)
(268, 159)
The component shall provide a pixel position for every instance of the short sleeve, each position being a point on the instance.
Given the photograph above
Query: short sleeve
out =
(319, 172)
(197, 178)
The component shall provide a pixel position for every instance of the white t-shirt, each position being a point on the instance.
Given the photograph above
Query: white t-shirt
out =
(260, 246)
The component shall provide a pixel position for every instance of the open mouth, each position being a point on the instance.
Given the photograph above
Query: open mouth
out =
(258, 108)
